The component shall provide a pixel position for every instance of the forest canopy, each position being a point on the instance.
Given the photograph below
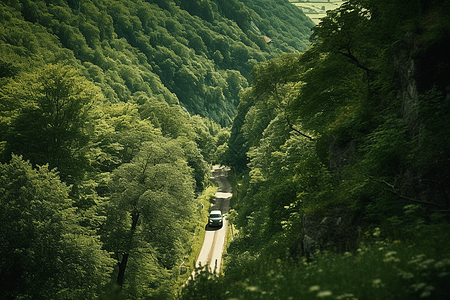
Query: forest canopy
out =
(111, 114)
(197, 54)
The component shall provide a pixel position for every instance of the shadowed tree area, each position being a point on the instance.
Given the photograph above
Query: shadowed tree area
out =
(46, 253)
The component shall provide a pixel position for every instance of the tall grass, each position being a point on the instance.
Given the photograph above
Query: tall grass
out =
(379, 269)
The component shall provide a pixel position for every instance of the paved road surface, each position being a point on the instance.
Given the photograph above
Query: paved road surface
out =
(211, 252)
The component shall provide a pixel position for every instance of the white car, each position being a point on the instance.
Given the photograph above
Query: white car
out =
(215, 218)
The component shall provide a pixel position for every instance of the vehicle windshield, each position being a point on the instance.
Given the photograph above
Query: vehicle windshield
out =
(214, 216)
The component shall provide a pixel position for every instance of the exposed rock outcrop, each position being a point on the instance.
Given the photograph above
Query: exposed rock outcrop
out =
(332, 230)
(340, 154)
(406, 69)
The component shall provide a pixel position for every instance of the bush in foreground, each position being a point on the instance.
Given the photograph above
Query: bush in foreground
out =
(379, 269)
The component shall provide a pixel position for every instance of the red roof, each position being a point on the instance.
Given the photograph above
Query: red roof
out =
(267, 39)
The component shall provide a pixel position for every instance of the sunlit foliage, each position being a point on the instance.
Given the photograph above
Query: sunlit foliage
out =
(47, 116)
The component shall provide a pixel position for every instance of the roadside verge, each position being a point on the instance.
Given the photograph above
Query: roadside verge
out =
(187, 266)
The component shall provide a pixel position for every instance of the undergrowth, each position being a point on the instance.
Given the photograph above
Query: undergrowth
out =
(187, 267)
(413, 268)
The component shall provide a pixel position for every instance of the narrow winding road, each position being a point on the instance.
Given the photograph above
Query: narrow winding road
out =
(213, 245)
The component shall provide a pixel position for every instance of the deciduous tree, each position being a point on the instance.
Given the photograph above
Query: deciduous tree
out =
(45, 253)
(151, 199)
(50, 119)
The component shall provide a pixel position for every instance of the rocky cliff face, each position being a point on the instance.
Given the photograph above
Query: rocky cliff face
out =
(422, 67)
(422, 71)
(406, 69)
(332, 230)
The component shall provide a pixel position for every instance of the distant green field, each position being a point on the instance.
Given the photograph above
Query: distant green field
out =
(316, 9)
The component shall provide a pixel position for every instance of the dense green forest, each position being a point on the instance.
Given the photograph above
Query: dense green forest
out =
(111, 113)
(341, 190)
(197, 54)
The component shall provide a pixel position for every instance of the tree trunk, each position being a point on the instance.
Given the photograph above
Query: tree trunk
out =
(123, 263)
(122, 266)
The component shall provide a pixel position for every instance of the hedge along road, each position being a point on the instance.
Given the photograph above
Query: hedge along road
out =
(211, 252)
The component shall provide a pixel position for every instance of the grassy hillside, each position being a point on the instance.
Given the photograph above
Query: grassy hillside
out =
(316, 10)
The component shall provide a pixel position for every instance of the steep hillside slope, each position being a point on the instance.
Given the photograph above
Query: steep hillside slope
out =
(198, 54)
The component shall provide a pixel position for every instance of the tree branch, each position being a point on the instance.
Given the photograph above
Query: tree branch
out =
(355, 61)
(393, 190)
(297, 131)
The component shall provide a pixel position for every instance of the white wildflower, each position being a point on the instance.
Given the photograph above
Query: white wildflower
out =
(390, 256)
(252, 288)
(377, 232)
(314, 288)
(442, 264)
(427, 291)
(323, 294)
(376, 283)
(346, 296)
